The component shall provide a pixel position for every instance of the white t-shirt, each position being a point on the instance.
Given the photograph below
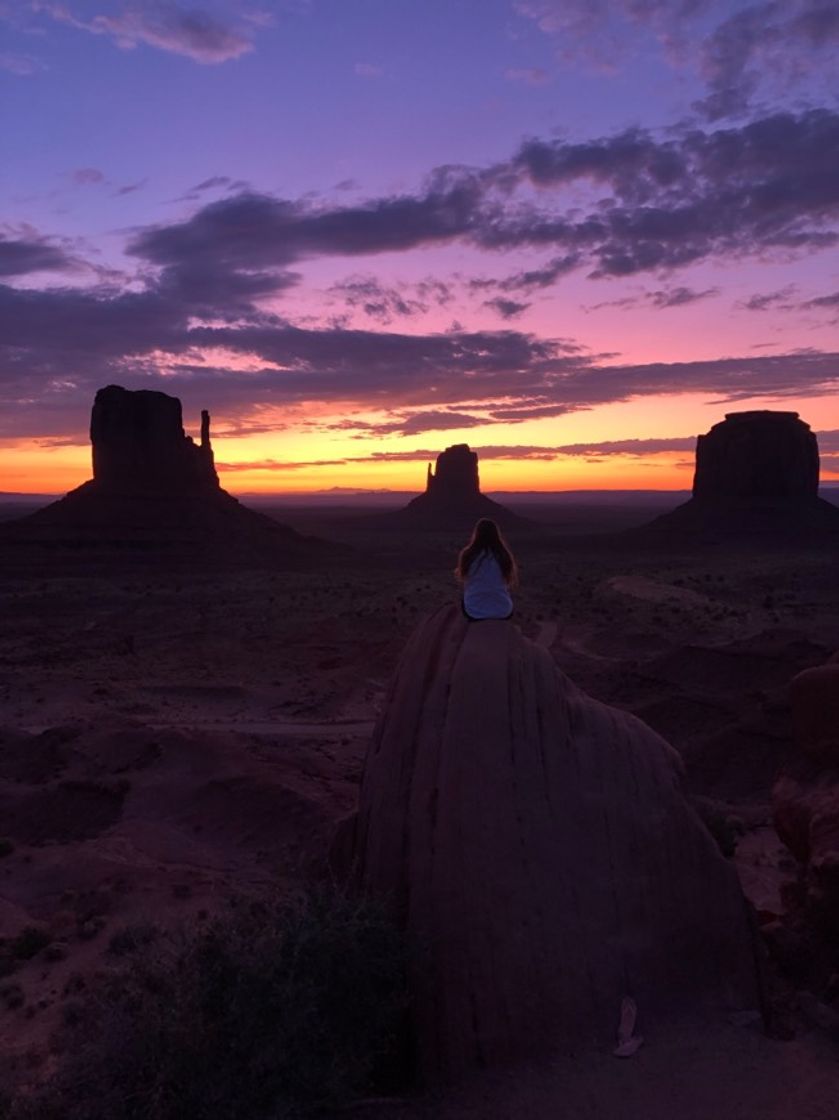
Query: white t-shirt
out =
(485, 594)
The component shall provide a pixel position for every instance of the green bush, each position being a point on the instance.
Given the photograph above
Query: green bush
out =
(266, 1013)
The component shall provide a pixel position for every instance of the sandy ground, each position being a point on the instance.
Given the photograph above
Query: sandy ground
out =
(218, 726)
(697, 1071)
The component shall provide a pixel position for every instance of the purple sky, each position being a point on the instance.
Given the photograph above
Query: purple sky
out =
(358, 230)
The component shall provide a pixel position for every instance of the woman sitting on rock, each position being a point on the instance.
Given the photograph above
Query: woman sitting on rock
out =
(487, 570)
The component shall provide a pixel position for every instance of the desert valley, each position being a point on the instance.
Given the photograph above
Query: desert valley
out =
(185, 720)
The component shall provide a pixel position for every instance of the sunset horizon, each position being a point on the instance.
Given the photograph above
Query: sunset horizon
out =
(599, 233)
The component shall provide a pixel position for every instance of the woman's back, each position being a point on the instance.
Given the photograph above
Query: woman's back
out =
(485, 591)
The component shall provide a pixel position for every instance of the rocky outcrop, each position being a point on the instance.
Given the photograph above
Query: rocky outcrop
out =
(538, 849)
(756, 481)
(455, 477)
(805, 797)
(453, 499)
(139, 445)
(154, 499)
(759, 454)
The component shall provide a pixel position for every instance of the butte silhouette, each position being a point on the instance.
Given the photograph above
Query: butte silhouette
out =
(452, 500)
(154, 497)
(756, 481)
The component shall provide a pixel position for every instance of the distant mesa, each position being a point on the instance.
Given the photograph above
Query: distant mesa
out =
(756, 478)
(139, 445)
(154, 497)
(757, 455)
(453, 499)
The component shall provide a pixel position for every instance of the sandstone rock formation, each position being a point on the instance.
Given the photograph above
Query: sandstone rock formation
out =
(756, 479)
(759, 454)
(539, 850)
(805, 797)
(139, 445)
(455, 477)
(154, 499)
(453, 498)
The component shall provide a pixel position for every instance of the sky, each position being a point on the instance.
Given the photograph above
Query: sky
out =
(571, 233)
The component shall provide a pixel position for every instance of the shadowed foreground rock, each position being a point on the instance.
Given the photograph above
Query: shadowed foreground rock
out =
(541, 854)
(805, 797)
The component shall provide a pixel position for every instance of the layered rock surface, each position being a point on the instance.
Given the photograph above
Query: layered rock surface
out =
(154, 498)
(541, 854)
(756, 479)
(806, 794)
(453, 498)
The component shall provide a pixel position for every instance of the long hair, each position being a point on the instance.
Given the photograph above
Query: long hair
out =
(486, 537)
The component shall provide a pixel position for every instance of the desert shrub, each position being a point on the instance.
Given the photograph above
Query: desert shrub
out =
(130, 939)
(267, 1012)
(28, 943)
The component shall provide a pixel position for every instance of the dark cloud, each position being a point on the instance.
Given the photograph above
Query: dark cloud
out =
(635, 447)
(624, 303)
(376, 300)
(775, 43)
(662, 298)
(211, 184)
(506, 308)
(253, 230)
(771, 186)
(215, 182)
(831, 301)
(529, 280)
(410, 424)
(246, 242)
(130, 188)
(638, 448)
(765, 301)
(435, 291)
(677, 297)
(192, 33)
(19, 256)
(150, 339)
(829, 442)
(739, 49)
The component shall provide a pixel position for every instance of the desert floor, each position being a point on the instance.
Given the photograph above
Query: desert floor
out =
(165, 740)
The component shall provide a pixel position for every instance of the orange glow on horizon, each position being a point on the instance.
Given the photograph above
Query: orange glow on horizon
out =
(304, 454)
